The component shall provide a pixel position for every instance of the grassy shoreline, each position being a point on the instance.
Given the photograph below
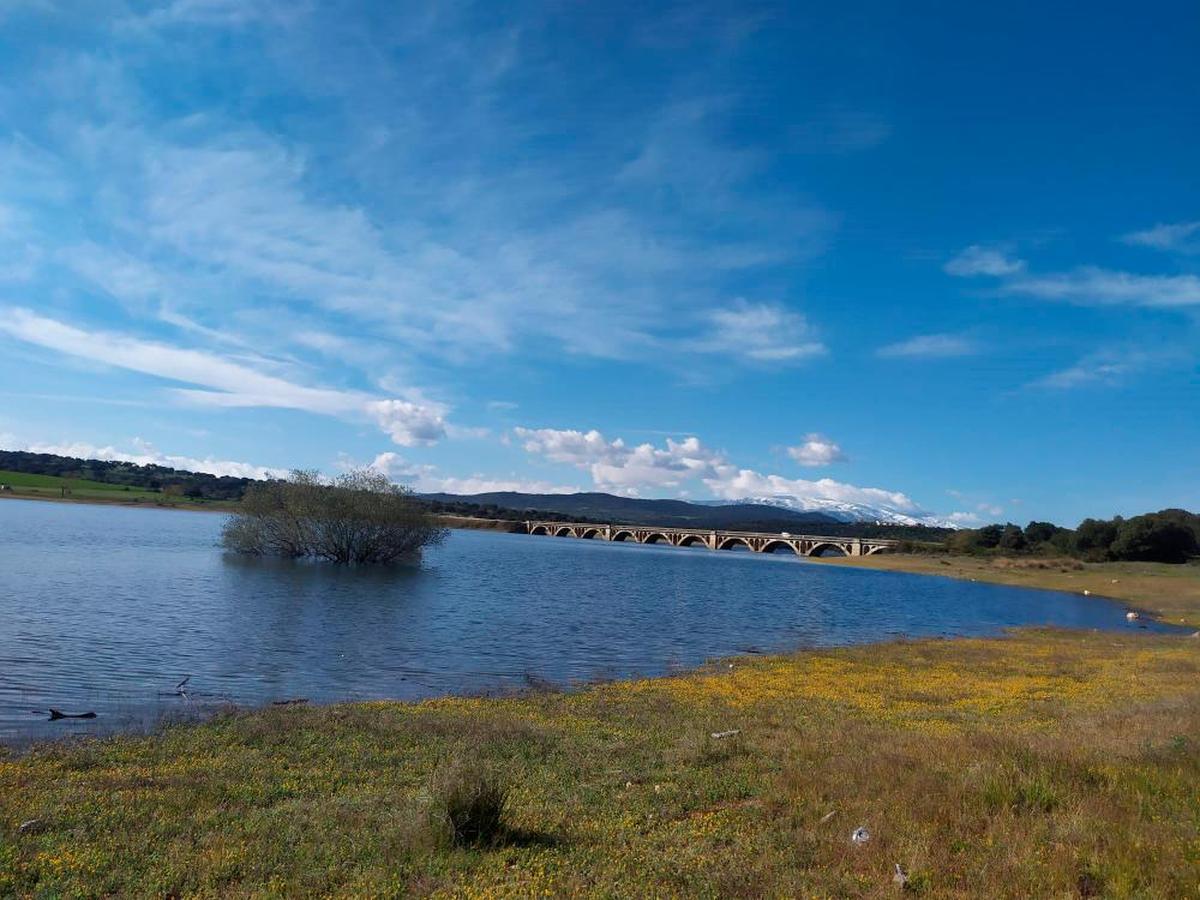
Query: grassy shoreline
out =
(1043, 763)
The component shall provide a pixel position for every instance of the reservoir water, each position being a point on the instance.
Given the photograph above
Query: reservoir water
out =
(107, 609)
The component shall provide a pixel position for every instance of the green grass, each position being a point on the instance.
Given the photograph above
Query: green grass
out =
(1047, 764)
(84, 490)
(24, 479)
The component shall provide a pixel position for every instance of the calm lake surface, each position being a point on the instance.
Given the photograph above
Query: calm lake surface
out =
(106, 609)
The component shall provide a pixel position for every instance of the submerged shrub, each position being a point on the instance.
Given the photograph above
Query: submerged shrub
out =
(467, 808)
(358, 517)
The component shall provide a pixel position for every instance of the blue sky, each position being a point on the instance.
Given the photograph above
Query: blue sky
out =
(937, 257)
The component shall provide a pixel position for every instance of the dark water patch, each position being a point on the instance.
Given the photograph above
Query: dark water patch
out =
(108, 609)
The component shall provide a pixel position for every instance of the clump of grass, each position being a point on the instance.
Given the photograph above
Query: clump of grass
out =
(467, 805)
(1020, 793)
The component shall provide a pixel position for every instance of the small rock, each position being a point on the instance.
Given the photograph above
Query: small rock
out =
(717, 735)
(860, 835)
(829, 815)
(900, 879)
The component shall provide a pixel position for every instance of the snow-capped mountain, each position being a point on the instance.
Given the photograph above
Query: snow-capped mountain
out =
(841, 510)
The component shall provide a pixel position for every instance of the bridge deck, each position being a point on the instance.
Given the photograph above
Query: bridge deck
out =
(715, 539)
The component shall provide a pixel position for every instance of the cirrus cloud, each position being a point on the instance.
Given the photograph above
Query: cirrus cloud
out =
(222, 382)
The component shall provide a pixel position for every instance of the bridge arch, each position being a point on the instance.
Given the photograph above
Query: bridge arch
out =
(656, 537)
(824, 548)
(690, 540)
(588, 533)
(876, 549)
(564, 531)
(539, 529)
(772, 546)
(623, 535)
(732, 542)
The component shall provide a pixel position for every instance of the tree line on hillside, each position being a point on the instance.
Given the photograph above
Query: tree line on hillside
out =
(1170, 536)
(149, 477)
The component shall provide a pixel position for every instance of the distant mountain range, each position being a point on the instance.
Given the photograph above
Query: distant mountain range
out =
(842, 511)
(773, 514)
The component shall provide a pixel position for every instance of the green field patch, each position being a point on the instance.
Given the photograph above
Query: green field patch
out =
(24, 479)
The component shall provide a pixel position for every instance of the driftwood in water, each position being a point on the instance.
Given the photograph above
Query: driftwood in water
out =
(292, 702)
(55, 715)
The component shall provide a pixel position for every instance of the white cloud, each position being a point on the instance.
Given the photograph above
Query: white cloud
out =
(929, 346)
(1181, 236)
(1104, 369)
(226, 383)
(760, 333)
(966, 519)
(732, 484)
(482, 484)
(220, 13)
(816, 450)
(980, 260)
(1103, 287)
(409, 423)
(615, 466)
(144, 453)
(426, 480)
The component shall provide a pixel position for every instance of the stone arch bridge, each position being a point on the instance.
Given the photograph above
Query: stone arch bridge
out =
(758, 542)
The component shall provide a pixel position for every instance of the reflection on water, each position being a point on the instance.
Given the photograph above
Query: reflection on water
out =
(107, 609)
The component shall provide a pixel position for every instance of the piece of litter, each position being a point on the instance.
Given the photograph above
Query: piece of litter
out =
(717, 735)
(860, 835)
(900, 878)
(829, 815)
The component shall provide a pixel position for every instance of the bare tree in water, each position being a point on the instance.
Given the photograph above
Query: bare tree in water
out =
(358, 517)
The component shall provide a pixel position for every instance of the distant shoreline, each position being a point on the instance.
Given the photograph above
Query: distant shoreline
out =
(127, 504)
(464, 522)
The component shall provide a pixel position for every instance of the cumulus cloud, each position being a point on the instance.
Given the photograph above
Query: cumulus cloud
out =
(409, 423)
(929, 346)
(223, 382)
(426, 480)
(816, 450)
(760, 333)
(618, 467)
(1183, 237)
(980, 260)
(144, 453)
